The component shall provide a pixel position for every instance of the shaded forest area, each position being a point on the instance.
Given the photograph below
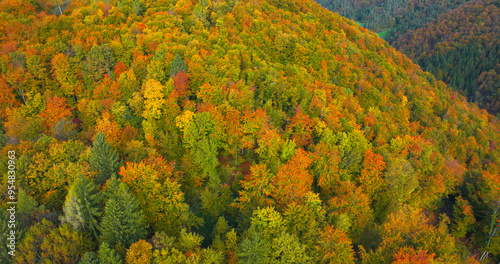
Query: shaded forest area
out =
(457, 41)
(234, 132)
(397, 16)
(462, 48)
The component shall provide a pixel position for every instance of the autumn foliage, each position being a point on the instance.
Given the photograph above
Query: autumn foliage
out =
(234, 132)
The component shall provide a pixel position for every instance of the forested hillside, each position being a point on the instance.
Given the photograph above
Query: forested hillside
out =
(394, 16)
(462, 48)
(264, 131)
(457, 41)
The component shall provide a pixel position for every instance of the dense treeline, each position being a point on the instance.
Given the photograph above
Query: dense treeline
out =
(462, 48)
(235, 132)
(457, 41)
(395, 16)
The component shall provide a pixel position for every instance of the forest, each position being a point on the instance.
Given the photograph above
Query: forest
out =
(266, 131)
(396, 16)
(462, 48)
(456, 41)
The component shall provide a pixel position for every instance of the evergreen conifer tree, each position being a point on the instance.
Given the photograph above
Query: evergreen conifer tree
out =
(4, 234)
(177, 65)
(112, 187)
(123, 222)
(82, 209)
(103, 158)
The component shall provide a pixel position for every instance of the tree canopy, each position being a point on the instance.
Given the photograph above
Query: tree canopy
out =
(270, 131)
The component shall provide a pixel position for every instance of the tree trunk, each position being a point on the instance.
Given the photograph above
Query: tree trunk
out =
(60, 11)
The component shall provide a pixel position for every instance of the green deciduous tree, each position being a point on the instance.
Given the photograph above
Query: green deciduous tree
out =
(45, 243)
(64, 245)
(401, 179)
(89, 258)
(25, 206)
(204, 136)
(463, 217)
(28, 250)
(287, 248)
(305, 219)
(352, 147)
(268, 242)
(255, 250)
(284, 248)
(108, 255)
(185, 248)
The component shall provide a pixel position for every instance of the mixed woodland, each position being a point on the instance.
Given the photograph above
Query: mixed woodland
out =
(396, 16)
(462, 48)
(266, 131)
(456, 41)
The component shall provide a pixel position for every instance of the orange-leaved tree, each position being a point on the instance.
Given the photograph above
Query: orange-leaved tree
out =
(56, 109)
(293, 180)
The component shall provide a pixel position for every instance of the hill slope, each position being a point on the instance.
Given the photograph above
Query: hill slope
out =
(251, 132)
(457, 41)
(397, 17)
(460, 48)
